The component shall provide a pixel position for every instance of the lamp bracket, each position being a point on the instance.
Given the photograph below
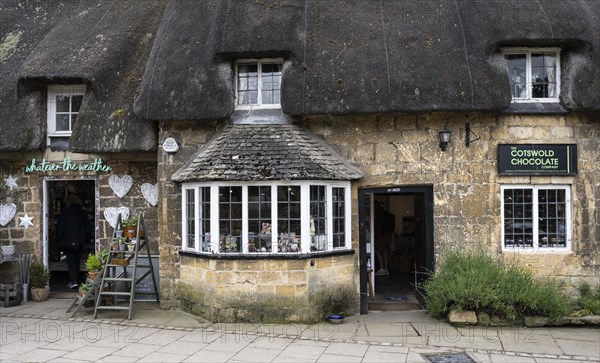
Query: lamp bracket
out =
(468, 133)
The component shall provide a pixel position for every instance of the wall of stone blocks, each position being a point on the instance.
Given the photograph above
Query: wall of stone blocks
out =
(267, 290)
(29, 194)
(403, 150)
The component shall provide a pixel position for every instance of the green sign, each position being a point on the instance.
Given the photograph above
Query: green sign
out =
(537, 159)
(67, 165)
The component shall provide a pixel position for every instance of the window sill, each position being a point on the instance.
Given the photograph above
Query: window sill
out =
(535, 108)
(265, 256)
(533, 250)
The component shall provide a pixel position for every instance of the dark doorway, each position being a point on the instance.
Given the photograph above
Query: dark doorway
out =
(56, 193)
(396, 240)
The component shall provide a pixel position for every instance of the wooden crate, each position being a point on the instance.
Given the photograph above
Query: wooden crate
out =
(10, 295)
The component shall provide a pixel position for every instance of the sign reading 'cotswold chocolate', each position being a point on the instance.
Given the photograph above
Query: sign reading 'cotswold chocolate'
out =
(537, 159)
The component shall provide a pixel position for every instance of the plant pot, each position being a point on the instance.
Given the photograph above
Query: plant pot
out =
(120, 261)
(129, 232)
(40, 293)
(335, 319)
(93, 274)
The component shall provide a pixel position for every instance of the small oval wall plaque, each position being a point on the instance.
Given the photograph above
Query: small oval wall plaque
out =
(170, 145)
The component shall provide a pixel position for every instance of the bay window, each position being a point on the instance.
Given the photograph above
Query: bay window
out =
(536, 217)
(260, 217)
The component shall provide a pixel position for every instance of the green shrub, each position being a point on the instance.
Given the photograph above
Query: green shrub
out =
(588, 300)
(474, 281)
(39, 275)
(93, 263)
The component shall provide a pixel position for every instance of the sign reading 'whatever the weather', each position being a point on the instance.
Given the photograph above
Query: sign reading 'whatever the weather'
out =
(537, 159)
(67, 165)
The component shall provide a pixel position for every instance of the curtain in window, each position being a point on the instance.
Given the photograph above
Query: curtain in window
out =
(550, 65)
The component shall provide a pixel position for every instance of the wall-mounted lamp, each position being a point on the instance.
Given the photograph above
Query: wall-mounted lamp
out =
(468, 133)
(444, 136)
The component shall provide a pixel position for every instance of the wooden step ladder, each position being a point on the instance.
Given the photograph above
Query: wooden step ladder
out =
(121, 259)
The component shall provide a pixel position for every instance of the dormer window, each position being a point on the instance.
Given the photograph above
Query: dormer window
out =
(258, 83)
(534, 74)
(64, 102)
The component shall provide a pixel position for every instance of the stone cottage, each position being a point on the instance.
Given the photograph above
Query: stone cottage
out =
(275, 131)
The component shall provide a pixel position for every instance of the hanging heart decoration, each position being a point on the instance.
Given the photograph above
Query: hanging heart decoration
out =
(111, 214)
(150, 193)
(7, 213)
(120, 185)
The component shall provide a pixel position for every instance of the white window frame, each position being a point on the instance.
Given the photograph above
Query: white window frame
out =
(56, 90)
(304, 213)
(528, 82)
(259, 104)
(536, 217)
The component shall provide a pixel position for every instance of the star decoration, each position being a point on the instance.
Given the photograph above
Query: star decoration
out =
(10, 182)
(26, 221)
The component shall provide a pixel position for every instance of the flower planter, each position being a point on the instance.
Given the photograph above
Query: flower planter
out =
(120, 261)
(39, 294)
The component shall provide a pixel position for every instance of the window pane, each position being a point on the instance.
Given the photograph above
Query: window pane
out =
(543, 75)
(76, 103)
(339, 211)
(259, 219)
(318, 218)
(288, 219)
(518, 223)
(247, 83)
(62, 122)
(552, 225)
(271, 83)
(190, 218)
(230, 219)
(73, 119)
(205, 218)
(62, 103)
(517, 74)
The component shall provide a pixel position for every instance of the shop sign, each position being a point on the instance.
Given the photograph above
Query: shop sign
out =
(67, 165)
(537, 159)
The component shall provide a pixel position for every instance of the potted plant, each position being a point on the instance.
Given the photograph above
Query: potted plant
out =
(39, 276)
(129, 226)
(93, 265)
(84, 288)
(103, 255)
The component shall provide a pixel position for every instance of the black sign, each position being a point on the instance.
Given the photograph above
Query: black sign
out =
(537, 159)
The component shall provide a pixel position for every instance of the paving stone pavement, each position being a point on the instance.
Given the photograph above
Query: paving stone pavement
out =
(44, 332)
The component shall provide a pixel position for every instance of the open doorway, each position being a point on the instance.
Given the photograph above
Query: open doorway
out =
(56, 194)
(396, 241)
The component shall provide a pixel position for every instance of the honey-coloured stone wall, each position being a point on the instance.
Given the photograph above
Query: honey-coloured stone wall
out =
(268, 290)
(392, 150)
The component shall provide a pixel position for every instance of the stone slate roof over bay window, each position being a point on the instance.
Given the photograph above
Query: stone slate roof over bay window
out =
(258, 152)
(360, 57)
(101, 44)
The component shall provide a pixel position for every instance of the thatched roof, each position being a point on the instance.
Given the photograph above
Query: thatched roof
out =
(172, 60)
(103, 44)
(257, 152)
(356, 56)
